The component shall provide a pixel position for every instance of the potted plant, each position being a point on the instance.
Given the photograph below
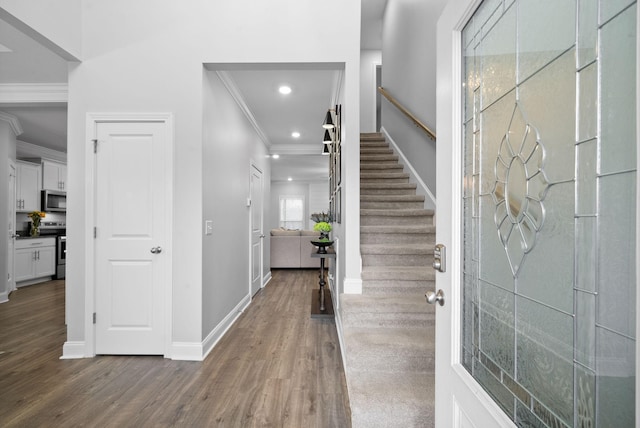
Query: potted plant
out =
(323, 241)
(35, 217)
(324, 228)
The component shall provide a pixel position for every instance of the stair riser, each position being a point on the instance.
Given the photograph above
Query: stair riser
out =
(375, 151)
(378, 158)
(383, 191)
(397, 260)
(400, 238)
(391, 205)
(370, 220)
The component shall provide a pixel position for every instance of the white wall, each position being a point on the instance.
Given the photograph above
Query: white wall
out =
(409, 74)
(368, 61)
(230, 145)
(147, 56)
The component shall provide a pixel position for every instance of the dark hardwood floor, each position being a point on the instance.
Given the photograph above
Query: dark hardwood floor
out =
(275, 367)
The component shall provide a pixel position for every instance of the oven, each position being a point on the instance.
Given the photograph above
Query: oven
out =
(61, 256)
(59, 230)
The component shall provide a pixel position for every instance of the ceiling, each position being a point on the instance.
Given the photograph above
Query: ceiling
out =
(23, 61)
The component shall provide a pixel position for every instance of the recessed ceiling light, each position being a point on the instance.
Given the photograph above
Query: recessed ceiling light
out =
(295, 134)
(284, 90)
(289, 179)
(275, 156)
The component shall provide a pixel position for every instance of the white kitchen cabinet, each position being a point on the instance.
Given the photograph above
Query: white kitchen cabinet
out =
(27, 186)
(34, 258)
(54, 175)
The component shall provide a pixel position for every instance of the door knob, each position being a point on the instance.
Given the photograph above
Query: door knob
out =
(433, 297)
(156, 250)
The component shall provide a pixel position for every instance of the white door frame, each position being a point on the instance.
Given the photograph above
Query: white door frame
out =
(11, 285)
(451, 376)
(93, 119)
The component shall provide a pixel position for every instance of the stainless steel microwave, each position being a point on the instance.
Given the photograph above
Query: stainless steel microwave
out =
(53, 201)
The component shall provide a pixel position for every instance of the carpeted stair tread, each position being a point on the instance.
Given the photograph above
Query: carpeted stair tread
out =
(381, 166)
(397, 213)
(390, 349)
(378, 158)
(387, 186)
(393, 229)
(391, 198)
(401, 273)
(383, 400)
(396, 249)
(360, 303)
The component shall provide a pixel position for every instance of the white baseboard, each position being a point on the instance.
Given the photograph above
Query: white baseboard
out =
(266, 279)
(4, 297)
(186, 351)
(352, 285)
(430, 199)
(72, 350)
(216, 334)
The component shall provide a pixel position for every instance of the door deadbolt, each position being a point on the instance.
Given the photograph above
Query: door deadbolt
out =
(440, 258)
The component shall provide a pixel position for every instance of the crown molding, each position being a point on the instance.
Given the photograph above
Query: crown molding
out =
(295, 149)
(13, 122)
(26, 150)
(34, 93)
(231, 86)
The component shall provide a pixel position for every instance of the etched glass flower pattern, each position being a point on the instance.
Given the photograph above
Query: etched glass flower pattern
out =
(519, 190)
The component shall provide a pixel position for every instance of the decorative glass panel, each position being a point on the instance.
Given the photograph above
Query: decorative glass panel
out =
(549, 209)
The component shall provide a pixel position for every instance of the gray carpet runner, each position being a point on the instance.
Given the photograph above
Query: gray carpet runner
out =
(389, 330)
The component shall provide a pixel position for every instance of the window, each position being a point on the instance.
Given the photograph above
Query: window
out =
(291, 212)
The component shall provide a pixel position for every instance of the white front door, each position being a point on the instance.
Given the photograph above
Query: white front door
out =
(11, 206)
(460, 400)
(257, 229)
(132, 256)
(537, 205)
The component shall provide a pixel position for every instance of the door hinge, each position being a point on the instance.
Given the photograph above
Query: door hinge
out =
(94, 317)
(95, 146)
(95, 232)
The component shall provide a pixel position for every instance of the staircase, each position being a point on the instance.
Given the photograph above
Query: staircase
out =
(388, 331)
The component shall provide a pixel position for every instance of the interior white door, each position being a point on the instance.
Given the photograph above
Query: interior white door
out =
(257, 228)
(11, 206)
(131, 231)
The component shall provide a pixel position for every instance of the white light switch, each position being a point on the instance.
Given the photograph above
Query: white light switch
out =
(208, 227)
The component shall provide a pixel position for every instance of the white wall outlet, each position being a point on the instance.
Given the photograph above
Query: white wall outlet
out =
(208, 227)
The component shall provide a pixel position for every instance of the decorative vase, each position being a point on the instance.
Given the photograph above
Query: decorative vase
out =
(322, 246)
(35, 230)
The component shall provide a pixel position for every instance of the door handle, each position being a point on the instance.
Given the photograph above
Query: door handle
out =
(156, 250)
(261, 236)
(433, 297)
